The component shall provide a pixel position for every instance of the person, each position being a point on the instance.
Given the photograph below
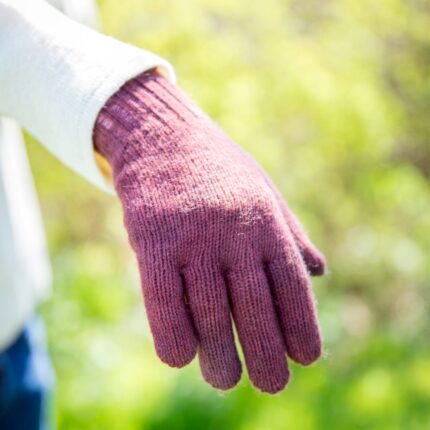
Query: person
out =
(26, 375)
(215, 242)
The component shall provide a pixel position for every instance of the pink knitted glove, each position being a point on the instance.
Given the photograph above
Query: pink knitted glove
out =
(213, 238)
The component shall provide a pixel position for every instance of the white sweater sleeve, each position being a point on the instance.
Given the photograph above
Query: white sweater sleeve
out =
(56, 75)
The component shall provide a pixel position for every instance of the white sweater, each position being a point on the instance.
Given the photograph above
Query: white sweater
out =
(55, 76)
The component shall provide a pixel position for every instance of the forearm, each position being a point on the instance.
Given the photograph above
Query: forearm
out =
(56, 75)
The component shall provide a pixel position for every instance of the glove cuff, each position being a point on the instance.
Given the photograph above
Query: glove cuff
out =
(149, 107)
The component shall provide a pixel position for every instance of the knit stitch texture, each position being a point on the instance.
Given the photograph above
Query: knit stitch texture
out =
(214, 240)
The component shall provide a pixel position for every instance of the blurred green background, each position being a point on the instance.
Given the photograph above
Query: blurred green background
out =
(333, 99)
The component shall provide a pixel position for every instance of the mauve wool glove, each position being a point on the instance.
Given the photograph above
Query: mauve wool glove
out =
(213, 238)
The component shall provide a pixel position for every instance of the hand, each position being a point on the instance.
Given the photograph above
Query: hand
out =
(213, 239)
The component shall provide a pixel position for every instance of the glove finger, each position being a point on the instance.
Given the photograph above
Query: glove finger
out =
(257, 327)
(314, 260)
(295, 304)
(208, 301)
(172, 330)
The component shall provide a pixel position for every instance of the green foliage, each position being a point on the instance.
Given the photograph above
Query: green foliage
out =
(333, 98)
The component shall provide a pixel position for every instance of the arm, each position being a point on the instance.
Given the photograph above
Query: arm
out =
(212, 236)
(56, 75)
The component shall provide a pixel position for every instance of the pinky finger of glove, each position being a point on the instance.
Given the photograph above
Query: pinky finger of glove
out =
(314, 260)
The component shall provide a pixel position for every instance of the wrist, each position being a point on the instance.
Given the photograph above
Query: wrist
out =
(146, 110)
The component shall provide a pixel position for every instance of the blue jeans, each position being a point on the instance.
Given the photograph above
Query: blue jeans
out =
(26, 381)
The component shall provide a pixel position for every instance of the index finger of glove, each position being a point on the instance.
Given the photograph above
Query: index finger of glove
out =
(171, 326)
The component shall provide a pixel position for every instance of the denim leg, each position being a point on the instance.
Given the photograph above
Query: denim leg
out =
(28, 381)
(7, 384)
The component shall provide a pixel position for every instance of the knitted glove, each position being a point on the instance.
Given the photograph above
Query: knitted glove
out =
(213, 239)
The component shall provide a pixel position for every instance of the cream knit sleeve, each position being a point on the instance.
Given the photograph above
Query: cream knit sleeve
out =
(56, 75)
